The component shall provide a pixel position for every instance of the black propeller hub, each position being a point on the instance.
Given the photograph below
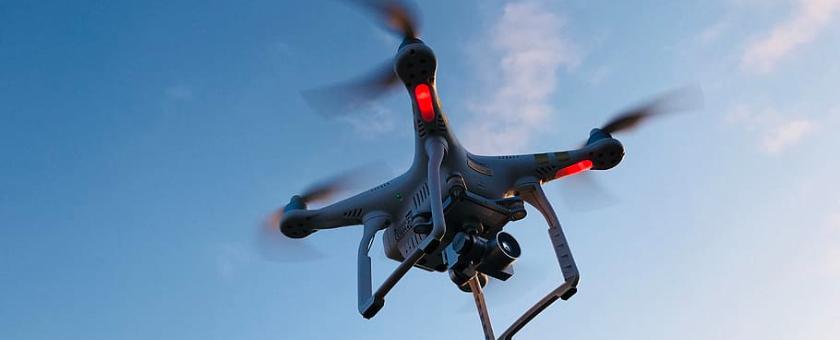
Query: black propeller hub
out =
(296, 203)
(596, 135)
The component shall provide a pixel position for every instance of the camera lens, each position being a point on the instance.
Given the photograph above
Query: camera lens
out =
(508, 245)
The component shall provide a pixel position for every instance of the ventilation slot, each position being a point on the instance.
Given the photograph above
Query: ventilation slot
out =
(353, 213)
(421, 196)
(381, 186)
(546, 172)
(441, 124)
(421, 129)
(415, 240)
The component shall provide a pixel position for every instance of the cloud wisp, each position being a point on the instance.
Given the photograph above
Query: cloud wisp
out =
(777, 133)
(531, 48)
(809, 19)
(786, 134)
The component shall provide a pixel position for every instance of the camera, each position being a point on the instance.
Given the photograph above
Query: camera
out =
(470, 253)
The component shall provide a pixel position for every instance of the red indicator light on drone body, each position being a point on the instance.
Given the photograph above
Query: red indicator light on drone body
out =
(423, 95)
(574, 168)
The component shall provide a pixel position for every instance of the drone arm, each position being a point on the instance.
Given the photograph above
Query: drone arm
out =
(531, 191)
(435, 148)
(599, 154)
(299, 223)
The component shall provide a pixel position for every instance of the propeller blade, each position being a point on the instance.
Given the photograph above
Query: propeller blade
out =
(583, 193)
(397, 16)
(681, 99)
(343, 98)
(352, 179)
(273, 246)
(340, 99)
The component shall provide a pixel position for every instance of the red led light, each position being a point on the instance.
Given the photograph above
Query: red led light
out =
(574, 168)
(423, 95)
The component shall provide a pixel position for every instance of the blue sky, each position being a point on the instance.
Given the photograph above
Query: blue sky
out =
(143, 143)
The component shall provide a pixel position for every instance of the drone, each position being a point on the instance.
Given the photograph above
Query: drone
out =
(447, 212)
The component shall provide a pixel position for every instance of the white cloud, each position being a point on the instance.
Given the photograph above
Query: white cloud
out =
(778, 133)
(834, 220)
(532, 48)
(832, 254)
(786, 134)
(809, 19)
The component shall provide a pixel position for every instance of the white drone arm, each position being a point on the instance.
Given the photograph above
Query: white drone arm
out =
(601, 154)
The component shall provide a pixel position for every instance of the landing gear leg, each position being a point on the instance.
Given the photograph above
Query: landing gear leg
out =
(534, 195)
(370, 304)
(478, 295)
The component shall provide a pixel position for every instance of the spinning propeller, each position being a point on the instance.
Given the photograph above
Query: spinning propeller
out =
(395, 15)
(681, 99)
(582, 192)
(275, 246)
(343, 98)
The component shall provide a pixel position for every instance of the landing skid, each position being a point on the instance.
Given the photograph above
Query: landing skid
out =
(564, 291)
(478, 295)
